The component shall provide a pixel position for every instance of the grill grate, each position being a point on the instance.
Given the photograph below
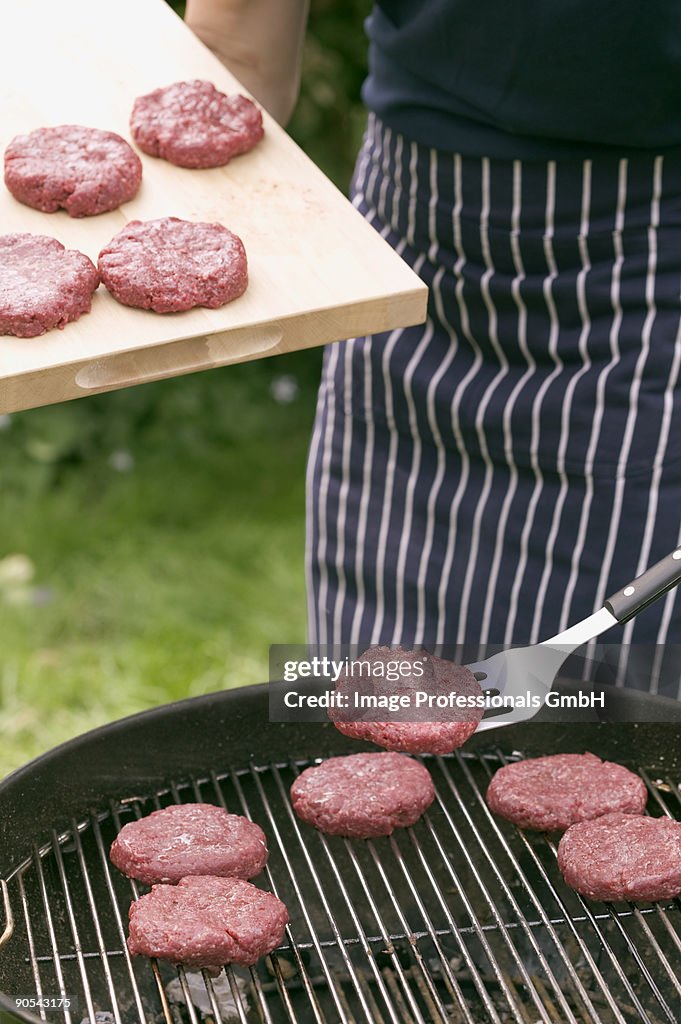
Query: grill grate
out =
(460, 918)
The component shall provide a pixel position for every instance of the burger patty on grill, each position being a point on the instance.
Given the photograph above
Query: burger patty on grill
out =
(205, 922)
(554, 792)
(623, 857)
(189, 839)
(363, 795)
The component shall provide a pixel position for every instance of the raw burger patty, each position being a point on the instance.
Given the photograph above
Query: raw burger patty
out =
(207, 922)
(189, 839)
(169, 265)
(547, 793)
(363, 795)
(81, 170)
(442, 730)
(42, 284)
(192, 124)
(623, 857)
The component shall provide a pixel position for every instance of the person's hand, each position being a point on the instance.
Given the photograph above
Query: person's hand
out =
(259, 41)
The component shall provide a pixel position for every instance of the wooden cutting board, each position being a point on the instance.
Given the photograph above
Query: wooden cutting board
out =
(318, 271)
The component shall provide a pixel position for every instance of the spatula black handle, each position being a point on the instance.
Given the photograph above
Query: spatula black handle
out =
(645, 589)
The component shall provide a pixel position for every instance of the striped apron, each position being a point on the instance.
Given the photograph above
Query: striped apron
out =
(491, 476)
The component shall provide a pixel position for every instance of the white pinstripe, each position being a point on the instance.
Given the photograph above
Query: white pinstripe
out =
(603, 376)
(500, 544)
(459, 268)
(314, 597)
(389, 484)
(554, 333)
(673, 595)
(405, 532)
(668, 408)
(434, 246)
(537, 404)
(366, 484)
(480, 415)
(524, 549)
(385, 168)
(667, 401)
(381, 144)
(343, 492)
(667, 404)
(364, 499)
(312, 600)
(365, 492)
(419, 636)
(632, 415)
(322, 636)
(370, 183)
(390, 415)
(365, 159)
(413, 194)
(583, 345)
(433, 250)
(566, 410)
(397, 194)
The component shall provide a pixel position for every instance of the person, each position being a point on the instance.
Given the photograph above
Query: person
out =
(492, 475)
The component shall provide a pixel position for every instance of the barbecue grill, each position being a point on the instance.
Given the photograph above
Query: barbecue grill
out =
(460, 918)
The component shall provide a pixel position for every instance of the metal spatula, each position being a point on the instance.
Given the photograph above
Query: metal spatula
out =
(533, 670)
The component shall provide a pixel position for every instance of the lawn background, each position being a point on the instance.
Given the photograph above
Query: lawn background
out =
(152, 540)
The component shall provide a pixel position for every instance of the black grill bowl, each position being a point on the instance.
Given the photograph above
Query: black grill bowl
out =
(462, 917)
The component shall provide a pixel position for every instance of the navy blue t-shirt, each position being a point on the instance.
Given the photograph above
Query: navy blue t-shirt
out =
(524, 78)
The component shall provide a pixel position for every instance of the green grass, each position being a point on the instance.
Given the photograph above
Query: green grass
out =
(172, 578)
(168, 579)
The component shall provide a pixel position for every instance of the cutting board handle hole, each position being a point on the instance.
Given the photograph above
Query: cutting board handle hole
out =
(187, 356)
